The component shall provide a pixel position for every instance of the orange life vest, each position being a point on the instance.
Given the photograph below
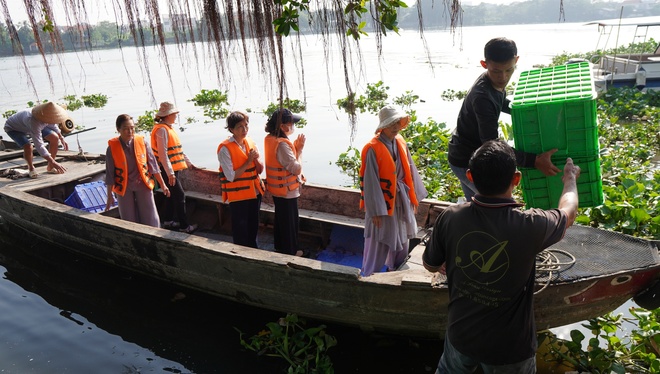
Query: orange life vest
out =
(121, 165)
(279, 181)
(174, 148)
(387, 171)
(245, 186)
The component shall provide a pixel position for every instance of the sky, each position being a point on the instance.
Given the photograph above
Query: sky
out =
(97, 10)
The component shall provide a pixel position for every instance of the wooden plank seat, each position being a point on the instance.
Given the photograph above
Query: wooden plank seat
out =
(303, 213)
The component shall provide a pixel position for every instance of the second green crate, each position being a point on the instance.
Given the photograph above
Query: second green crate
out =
(541, 191)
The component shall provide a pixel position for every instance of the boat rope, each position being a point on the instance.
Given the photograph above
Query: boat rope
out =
(548, 266)
(80, 150)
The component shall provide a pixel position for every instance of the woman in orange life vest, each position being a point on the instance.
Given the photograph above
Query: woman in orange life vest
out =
(391, 189)
(169, 153)
(130, 169)
(284, 177)
(241, 185)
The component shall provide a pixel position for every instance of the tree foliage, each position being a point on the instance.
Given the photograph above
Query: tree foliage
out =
(256, 28)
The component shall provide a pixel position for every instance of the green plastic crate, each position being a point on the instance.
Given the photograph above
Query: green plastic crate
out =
(556, 108)
(540, 191)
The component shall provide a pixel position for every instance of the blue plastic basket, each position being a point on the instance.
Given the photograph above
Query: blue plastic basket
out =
(90, 197)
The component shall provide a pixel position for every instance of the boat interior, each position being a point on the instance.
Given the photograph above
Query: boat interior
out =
(331, 232)
(335, 237)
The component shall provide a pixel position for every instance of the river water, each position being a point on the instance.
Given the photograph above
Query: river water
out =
(454, 64)
(68, 316)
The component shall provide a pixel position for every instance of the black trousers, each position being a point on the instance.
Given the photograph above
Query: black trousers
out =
(176, 202)
(286, 225)
(245, 221)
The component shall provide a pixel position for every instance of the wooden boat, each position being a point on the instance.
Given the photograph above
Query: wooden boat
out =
(640, 70)
(609, 268)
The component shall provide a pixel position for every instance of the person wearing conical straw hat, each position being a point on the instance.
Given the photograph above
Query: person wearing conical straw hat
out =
(167, 147)
(391, 190)
(40, 123)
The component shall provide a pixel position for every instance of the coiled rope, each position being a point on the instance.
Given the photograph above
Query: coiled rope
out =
(548, 266)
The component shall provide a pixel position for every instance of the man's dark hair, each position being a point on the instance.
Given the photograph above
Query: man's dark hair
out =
(493, 166)
(500, 50)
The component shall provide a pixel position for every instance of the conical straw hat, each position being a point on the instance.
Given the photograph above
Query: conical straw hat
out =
(50, 113)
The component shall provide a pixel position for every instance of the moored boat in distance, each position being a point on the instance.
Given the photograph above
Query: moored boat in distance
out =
(608, 268)
(639, 70)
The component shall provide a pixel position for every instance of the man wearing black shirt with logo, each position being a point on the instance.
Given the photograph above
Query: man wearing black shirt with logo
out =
(487, 248)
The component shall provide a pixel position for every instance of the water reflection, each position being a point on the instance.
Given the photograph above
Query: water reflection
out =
(59, 313)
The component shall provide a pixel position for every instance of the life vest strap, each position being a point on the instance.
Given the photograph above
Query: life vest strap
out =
(224, 189)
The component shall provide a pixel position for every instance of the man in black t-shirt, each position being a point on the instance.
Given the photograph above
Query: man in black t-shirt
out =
(487, 249)
(479, 115)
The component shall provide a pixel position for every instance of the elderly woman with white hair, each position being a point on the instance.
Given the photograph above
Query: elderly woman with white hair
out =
(391, 189)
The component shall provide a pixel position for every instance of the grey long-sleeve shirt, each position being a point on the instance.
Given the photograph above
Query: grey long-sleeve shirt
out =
(25, 123)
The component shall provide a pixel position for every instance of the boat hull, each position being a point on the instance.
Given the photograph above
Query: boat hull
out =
(408, 302)
(314, 289)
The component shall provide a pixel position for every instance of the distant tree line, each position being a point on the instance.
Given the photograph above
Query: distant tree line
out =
(528, 12)
(110, 35)
(547, 11)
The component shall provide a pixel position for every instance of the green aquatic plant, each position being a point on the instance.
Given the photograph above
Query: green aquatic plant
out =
(629, 142)
(95, 100)
(9, 113)
(451, 95)
(374, 98)
(428, 143)
(72, 102)
(406, 100)
(349, 162)
(304, 349)
(214, 102)
(611, 349)
(145, 122)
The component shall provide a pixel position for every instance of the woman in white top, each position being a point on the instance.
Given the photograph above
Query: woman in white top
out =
(242, 187)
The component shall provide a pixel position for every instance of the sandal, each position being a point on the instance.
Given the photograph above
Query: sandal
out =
(33, 174)
(190, 229)
(172, 225)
